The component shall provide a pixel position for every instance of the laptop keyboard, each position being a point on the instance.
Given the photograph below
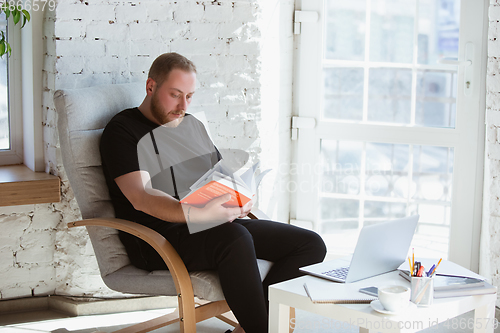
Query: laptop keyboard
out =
(339, 273)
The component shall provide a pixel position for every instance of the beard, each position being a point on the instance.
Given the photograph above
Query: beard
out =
(162, 116)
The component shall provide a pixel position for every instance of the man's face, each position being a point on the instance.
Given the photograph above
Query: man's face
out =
(170, 101)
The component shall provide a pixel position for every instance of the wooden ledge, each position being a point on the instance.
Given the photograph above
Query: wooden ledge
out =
(21, 186)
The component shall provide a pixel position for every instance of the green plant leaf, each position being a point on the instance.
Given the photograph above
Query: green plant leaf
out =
(26, 14)
(2, 49)
(16, 16)
(9, 49)
(7, 12)
(26, 17)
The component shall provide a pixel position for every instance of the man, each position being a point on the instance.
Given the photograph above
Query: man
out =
(231, 247)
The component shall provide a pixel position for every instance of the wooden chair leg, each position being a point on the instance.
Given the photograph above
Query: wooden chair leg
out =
(228, 318)
(152, 324)
(204, 311)
(187, 315)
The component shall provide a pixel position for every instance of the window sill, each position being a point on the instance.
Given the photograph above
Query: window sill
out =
(21, 186)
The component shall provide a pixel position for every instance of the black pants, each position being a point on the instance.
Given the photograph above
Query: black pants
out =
(232, 249)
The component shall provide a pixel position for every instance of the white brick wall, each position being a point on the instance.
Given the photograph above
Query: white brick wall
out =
(26, 253)
(490, 238)
(99, 42)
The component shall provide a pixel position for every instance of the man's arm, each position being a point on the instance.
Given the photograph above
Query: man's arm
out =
(136, 186)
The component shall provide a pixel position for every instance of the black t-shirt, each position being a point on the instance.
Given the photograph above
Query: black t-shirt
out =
(131, 142)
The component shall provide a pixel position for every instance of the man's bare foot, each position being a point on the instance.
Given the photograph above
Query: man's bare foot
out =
(238, 329)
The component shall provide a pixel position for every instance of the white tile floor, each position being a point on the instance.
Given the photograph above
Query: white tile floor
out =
(49, 321)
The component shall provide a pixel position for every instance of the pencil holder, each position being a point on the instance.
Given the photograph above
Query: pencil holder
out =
(422, 290)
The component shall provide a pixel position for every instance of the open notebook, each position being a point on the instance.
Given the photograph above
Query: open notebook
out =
(339, 293)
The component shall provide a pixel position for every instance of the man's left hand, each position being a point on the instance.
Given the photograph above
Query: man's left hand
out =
(246, 209)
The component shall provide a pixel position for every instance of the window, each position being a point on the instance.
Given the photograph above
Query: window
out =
(4, 95)
(397, 91)
(10, 102)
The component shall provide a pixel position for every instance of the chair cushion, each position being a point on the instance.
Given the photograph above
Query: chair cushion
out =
(133, 280)
(82, 116)
(120, 275)
(206, 284)
(110, 252)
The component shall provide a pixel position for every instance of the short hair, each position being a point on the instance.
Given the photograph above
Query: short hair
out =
(165, 63)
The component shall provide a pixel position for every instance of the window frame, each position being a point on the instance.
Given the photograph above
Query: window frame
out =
(14, 155)
(27, 103)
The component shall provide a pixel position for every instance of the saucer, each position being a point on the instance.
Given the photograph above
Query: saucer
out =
(377, 306)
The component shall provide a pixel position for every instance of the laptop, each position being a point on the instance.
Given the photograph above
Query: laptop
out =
(381, 248)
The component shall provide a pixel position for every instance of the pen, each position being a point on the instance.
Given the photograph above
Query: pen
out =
(434, 271)
(430, 270)
(417, 268)
(420, 272)
(413, 259)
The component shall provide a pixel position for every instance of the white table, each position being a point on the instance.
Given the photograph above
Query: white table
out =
(291, 293)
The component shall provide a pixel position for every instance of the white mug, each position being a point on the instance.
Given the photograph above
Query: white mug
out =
(394, 298)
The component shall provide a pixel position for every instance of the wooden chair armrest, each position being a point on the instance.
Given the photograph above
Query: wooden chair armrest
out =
(158, 242)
